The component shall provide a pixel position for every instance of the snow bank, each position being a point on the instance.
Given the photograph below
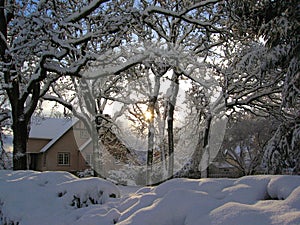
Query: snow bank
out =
(248, 200)
(60, 198)
(30, 197)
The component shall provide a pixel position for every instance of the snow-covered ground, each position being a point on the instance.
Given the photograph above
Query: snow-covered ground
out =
(33, 198)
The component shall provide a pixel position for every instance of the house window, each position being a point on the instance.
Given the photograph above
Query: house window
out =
(63, 158)
(77, 125)
(84, 134)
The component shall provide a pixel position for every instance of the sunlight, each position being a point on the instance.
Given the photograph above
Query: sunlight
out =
(148, 116)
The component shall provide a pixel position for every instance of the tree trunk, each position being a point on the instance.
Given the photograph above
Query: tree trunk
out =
(200, 158)
(96, 164)
(19, 119)
(3, 30)
(170, 140)
(205, 148)
(196, 158)
(22, 110)
(170, 128)
(20, 131)
(151, 129)
(150, 141)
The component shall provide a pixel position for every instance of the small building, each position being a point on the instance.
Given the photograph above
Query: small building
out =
(223, 170)
(58, 144)
(219, 168)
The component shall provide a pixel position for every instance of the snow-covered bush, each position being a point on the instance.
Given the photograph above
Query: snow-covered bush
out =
(47, 197)
(128, 175)
(85, 173)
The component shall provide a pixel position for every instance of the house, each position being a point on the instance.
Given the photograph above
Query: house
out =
(219, 168)
(57, 144)
(65, 145)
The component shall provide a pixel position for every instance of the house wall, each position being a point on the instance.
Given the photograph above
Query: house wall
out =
(34, 145)
(39, 165)
(67, 144)
(223, 172)
(73, 140)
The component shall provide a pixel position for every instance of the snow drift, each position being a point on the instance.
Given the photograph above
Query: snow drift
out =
(248, 200)
(60, 198)
(31, 198)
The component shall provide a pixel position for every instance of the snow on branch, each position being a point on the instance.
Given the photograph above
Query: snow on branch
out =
(85, 11)
(115, 69)
(115, 62)
(4, 115)
(184, 14)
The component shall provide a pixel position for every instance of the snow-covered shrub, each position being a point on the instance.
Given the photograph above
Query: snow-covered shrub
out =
(47, 197)
(128, 175)
(83, 192)
(85, 173)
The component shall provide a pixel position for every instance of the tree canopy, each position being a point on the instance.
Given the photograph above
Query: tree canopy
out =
(86, 54)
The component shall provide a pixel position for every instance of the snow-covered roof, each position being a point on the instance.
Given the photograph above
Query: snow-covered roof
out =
(50, 128)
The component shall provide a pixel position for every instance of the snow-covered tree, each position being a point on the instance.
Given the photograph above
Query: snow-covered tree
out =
(195, 29)
(41, 41)
(277, 24)
(170, 36)
(263, 76)
(259, 65)
(245, 140)
(282, 153)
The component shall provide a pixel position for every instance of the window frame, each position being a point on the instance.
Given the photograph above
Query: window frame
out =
(83, 134)
(66, 159)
